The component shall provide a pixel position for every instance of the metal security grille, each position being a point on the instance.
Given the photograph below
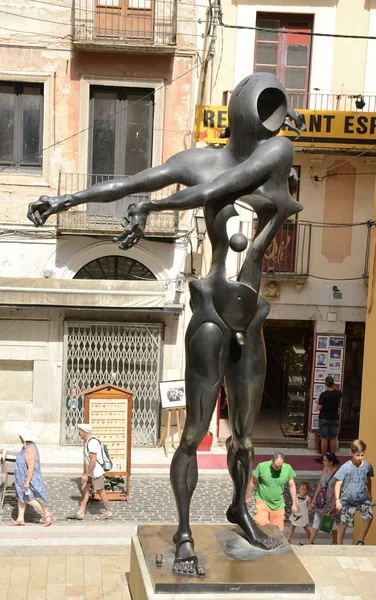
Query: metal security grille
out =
(125, 354)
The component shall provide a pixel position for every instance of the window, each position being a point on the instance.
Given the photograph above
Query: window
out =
(286, 53)
(121, 132)
(114, 268)
(120, 142)
(21, 122)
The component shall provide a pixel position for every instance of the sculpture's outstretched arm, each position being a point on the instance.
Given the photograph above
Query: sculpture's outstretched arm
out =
(242, 178)
(149, 180)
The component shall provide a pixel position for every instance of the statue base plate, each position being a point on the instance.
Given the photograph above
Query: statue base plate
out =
(234, 568)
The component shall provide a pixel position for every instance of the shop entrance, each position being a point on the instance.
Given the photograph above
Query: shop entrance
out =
(352, 381)
(285, 402)
(284, 406)
(127, 355)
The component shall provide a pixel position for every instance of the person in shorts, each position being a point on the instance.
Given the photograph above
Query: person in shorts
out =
(93, 474)
(272, 476)
(328, 405)
(353, 491)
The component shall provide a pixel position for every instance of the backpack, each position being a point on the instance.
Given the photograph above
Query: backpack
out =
(107, 462)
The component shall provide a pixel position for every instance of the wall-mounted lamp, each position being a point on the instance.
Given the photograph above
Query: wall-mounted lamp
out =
(200, 225)
(337, 294)
(359, 103)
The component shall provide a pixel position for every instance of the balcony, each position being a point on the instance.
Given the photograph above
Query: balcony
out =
(289, 252)
(120, 24)
(104, 219)
(288, 255)
(339, 102)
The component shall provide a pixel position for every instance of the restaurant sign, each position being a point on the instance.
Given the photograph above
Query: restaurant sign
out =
(338, 129)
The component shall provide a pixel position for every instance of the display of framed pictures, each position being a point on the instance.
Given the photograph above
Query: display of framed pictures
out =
(328, 360)
(172, 394)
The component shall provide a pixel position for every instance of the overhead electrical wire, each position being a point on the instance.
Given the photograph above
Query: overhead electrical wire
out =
(37, 33)
(293, 31)
(53, 5)
(118, 17)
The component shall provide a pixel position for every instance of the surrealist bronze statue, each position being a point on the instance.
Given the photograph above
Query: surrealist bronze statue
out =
(224, 339)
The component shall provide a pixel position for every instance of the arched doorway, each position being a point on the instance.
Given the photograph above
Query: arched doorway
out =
(122, 353)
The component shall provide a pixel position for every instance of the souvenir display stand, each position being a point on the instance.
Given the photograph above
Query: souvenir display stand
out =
(329, 360)
(294, 398)
(108, 409)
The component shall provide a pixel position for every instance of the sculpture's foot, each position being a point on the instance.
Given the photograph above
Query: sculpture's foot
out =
(254, 535)
(186, 562)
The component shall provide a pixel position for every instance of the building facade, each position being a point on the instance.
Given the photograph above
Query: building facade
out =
(316, 270)
(89, 92)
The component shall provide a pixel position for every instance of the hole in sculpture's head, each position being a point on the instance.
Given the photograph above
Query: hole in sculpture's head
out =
(272, 108)
(258, 106)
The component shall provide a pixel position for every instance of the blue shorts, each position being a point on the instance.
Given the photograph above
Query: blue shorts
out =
(328, 429)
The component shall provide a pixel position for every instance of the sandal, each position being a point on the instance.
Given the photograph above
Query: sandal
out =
(75, 517)
(103, 517)
(48, 520)
(16, 523)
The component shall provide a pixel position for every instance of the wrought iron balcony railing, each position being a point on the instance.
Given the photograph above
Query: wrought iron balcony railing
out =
(289, 252)
(121, 23)
(334, 101)
(105, 218)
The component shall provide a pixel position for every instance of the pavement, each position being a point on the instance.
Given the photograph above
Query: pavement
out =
(89, 560)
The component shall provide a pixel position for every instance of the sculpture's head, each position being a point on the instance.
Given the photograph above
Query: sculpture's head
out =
(259, 107)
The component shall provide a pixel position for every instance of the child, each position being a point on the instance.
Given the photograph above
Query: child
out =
(353, 491)
(301, 518)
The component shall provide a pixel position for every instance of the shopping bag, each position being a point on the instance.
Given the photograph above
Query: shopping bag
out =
(326, 524)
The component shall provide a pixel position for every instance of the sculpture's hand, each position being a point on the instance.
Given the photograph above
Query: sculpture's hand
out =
(134, 224)
(46, 206)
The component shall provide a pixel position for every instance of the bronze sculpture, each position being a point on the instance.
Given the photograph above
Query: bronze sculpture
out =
(224, 339)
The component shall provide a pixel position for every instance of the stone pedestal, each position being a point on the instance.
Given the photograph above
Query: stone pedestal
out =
(235, 570)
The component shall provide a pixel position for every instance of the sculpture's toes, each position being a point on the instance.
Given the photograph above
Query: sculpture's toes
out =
(185, 567)
(269, 543)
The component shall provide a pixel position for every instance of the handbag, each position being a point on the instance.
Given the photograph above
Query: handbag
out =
(321, 496)
(326, 524)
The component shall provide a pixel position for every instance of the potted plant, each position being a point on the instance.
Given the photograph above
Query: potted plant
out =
(206, 442)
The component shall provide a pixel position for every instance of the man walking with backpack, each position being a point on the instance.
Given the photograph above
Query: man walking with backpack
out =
(93, 472)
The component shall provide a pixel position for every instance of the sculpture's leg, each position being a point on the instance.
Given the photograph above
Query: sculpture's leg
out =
(206, 359)
(245, 377)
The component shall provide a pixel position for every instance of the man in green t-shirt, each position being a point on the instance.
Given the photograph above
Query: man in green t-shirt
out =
(272, 476)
